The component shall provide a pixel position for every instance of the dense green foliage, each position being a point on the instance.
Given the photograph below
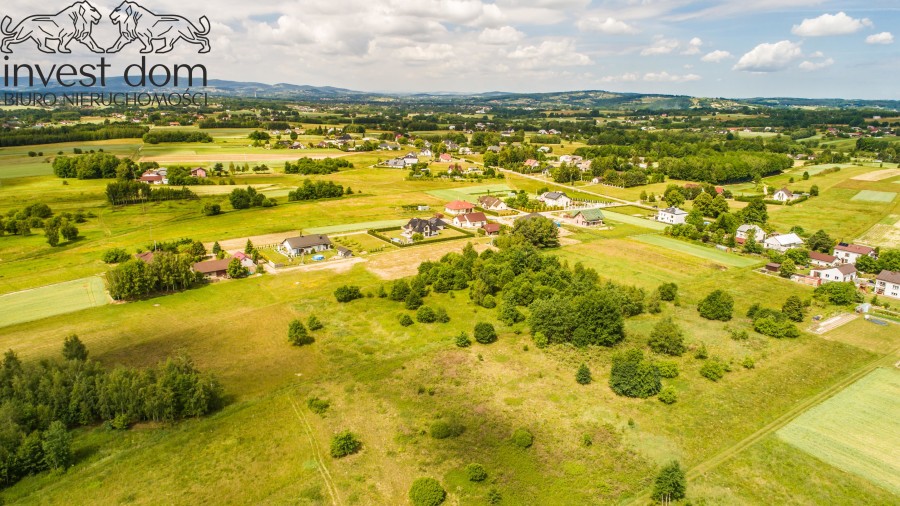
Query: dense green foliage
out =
(135, 278)
(583, 375)
(634, 376)
(670, 484)
(485, 333)
(347, 293)
(310, 190)
(537, 231)
(523, 438)
(246, 198)
(307, 166)
(158, 136)
(344, 444)
(426, 492)
(134, 192)
(115, 256)
(476, 472)
(87, 166)
(718, 305)
(298, 335)
(667, 337)
(74, 133)
(840, 294)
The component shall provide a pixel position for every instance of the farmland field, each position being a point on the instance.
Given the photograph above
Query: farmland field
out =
(885, 233)
(856, 430)
(471, 193)
(874, 196)
(713, 254)
(632, 220)
(52, 300)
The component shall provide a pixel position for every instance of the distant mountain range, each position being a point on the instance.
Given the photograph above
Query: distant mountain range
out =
(589, 99)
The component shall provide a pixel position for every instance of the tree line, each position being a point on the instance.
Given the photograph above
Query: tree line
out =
(134, 192)
(158, 136)
(310, 190)
(167, 271)
(308, 166)
(74, 133)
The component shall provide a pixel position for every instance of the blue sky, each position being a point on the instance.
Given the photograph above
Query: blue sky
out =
(727, 48)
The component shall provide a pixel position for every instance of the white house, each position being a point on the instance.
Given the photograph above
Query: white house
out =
(556, 199)
(672, 216)
(783, 242)
(888, 283)
(744, 231)
(410, 159)
(841, 273)
(823, 259)
(470, 220)
(305, 245)
(492, 203)
(784, 195)
(850, 253)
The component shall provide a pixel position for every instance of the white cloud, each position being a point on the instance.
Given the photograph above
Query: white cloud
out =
(716, 56)
(769, 57)
(425, 53)
(830, 24)
(809, 66)
(665, 77)
(502, 35)
(661, 46)
(609, 25)
(880, 38)
(555, 53)
(624, 78)
(693, 46)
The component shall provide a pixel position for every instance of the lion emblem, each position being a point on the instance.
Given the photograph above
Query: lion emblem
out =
(137, 23)
(75, 22)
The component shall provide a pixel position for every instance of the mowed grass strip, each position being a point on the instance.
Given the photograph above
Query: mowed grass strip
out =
(52, 300)
(471, 193)
(856, 430)
(874, 196)
(355, 227)
(715, 255)
(632, 220)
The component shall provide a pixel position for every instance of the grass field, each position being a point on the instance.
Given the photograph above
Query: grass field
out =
(471, 193)
(874, 196)
(856, 430)
(52, 300)
(632, 220)
(718, 256)
(355, 227)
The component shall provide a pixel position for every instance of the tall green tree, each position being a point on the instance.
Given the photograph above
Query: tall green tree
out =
(670, 484)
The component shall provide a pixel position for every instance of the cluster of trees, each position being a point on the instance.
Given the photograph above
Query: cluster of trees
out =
(717, 168)
(39, 215)
(74, 133)
(166, 272)
(307, 166)
(513, 156)
(97, 165)
(158, 136)
(310, 190)
(40, 400)
(241, 198)
(839, 294)
(56, 226)
(181, 176)
(888, 260)
(722, 230)
(778, 324)
(538, 231)
(135, 192)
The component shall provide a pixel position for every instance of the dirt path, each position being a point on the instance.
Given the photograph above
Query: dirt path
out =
(323, 471)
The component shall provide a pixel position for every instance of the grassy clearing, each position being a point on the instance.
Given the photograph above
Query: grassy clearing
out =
(713, 254)
(15, 162)
(866, 335)
(885, 233)
(856, 430)
(52, 300)
(632, 220)
(874, 196)
(355, 227)
(471, 193)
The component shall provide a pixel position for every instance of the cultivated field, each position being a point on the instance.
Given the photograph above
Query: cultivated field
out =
(632, 220)
(471, 193)
(878, 175)
(886, 233)
(874, 196)
(47, 301)
(856, 430)
(718, 256)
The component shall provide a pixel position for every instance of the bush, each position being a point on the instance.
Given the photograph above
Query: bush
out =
(670, 484)
(210, 209)
(426, 315)
(633, 376)
(297, 334)
(347, 293)
(314, 323)
(442, 429)
(74, 349)
(489, 302)
(839, 294)
(702, 353)
(462, 340)
(494, 496)
(115, 255)
(509, 314)
(718, 305)
(485, 333)
(774, 327)
(522, 438)
(668, 291)
(667, 337)
(583, 376)
(476, 472)
(667, 369)
(748, 363)
(344, 443)
(427, 492)
(441, 315)
(713, 370)
(668, 395)
(317, 406)
(413, 300)
(405, 320)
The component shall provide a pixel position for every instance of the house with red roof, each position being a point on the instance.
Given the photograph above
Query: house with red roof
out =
(459, 207)
(470, 220)
(850, 253)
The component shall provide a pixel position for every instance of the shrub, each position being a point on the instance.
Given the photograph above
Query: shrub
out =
(540, 340)
(667, 337)
(344, 443)
(425, 315)
(668, 395)
(702, 353)
(774, 327)
(441, 315)
(314, 323)
(489, 302)
(713, 370)
(427, 492)
(633, 376)
(413, 300)
(670, 484)
(115, 255)
(667, 369)
(739, 334)
(443, 429)
(718, 305)
(74, 349)
(583, 376)
(494, 496)
(748, 363)
(839, 294)
(510, 314)
(476, 472)
(668, 291)
(210, 209)
(405, 320)
(485, 333)
(653, 304)
(317, 406)
(522, 438)
(347, 293)
(462, 340)
(297, 334)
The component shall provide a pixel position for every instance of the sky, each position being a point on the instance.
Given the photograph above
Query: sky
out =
(710, 48)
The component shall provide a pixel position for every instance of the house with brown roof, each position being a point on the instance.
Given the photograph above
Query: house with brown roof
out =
(823, 259)
(146, 257)
(459, 207)
(841, 273)
(850, 253)
(784, 195)
(888, 283)
(492, 203)
(470, 220)
(199, 172)
(491, 228)
(214, 269)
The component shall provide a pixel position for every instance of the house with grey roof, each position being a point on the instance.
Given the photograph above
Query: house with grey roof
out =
(305, 245)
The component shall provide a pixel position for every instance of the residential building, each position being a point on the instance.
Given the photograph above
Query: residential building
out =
(459, 207)
(492, 203)
(410, 159)
(672, 216)
(783, 242)
(492, 228)
(823, 259)
(556, 199)
(744, 231)
(429, 227)
(305, 245)
(841, 273)
(344, 252)
(888, 283)
(589, 218)
(470, 220)
(215, 269)
(199, 172)
(850, 253)
(446, 158)
(784, 195)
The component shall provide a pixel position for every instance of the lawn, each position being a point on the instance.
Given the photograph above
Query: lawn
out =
(708, 253)
(354, 227)
(874, 196)
(856, 430)
(632, 220)
(46, 301)
(471, 193)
